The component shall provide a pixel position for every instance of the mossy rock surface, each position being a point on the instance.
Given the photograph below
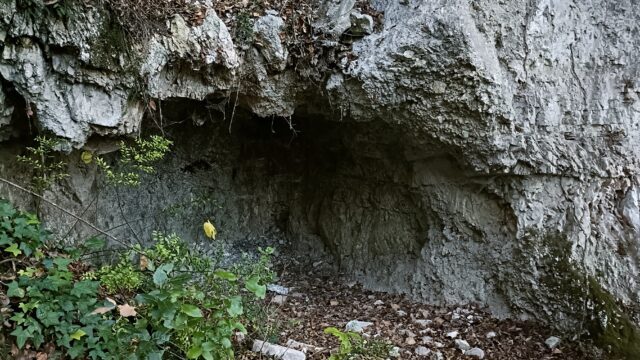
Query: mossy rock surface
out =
(611, 328)
(605, 323)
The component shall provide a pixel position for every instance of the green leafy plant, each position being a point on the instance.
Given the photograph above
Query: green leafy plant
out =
(121, 278)
(20, 232)
(43, 162)
(354, 346)
(135, 160)
(244, 29)
(174, 303)
(56, 308)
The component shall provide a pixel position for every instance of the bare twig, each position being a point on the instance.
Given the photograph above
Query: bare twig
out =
(67, 212)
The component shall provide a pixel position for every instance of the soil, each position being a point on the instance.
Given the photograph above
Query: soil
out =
(317, 301)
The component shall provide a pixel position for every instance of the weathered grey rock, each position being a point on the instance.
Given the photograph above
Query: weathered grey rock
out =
(277, 351)
(267, 31)
(361, 24)
(6, 112)
(336, 19)
(489, 148)
(475, 352)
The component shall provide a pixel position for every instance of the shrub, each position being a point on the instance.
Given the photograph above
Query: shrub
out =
(42, 161)
(177, 305)
(135, 160)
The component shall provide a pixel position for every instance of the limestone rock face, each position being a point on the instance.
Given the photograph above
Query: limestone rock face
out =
(465, 151)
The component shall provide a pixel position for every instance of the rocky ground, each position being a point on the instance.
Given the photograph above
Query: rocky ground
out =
(315, 302)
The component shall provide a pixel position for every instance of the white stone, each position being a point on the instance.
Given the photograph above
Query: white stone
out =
(422, 351)
(394, 352)
(462, 344)
(278, 289)
(279, 300)
(357, 326)
(277, 351)
(452, 334)
(475, 352)
(552, 342)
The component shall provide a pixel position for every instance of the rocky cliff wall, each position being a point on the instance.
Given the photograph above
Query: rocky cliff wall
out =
(461, 151)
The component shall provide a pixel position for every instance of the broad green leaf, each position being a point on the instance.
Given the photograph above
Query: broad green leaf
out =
(78, 334)
(208, 346)
(191, 310)
(62, 263)
(13, 249)
(22, 335)
(6, 209)
(4, 239)
(260, 291)
(226, 343)
(14, 290)
(194, 352)
(84, 288)
(159, 277)
(235, 306)
(225, 275)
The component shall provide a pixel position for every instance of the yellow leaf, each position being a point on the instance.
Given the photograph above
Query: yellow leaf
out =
(87, 157)
(209, 230)
(127, 310)
(78, 334)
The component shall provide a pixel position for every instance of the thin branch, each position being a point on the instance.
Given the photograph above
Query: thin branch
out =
(60, 208)
(76, 222)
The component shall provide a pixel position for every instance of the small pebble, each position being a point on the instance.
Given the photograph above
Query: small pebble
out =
(394, 352)
(278, 289)
(357, 326)
(410, 341)
(422, 351)
(452, 334)
(279, 299)
(476, 352)
(491, 334)
(552, 342)
(378, 303)
(462, 345)
(423, 323)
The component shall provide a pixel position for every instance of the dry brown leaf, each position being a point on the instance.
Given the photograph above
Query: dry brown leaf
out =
(152, 105)
(104, 309)
(144, 262)
(127, 310)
